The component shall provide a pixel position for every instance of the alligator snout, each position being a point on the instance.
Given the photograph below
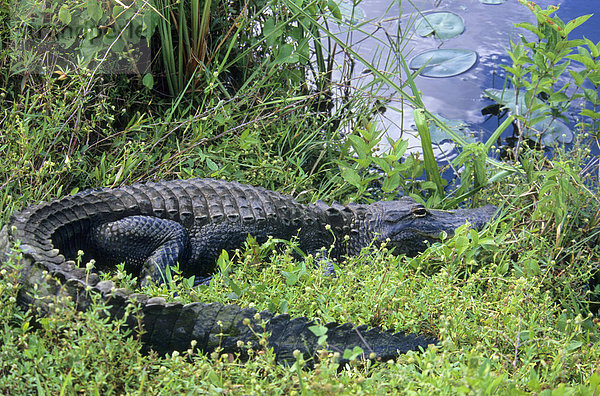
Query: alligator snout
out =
(411, 229)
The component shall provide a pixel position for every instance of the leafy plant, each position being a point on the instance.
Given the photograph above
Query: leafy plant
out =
(367, 167)
(537, 68)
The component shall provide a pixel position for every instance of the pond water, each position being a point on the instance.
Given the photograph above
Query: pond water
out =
(488, 31)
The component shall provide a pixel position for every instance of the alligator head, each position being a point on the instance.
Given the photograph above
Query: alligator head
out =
(409, 225)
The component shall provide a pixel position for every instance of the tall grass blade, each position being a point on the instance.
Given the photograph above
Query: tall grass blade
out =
(431, 166)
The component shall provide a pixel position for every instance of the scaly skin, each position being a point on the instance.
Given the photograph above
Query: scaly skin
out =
(152, 226)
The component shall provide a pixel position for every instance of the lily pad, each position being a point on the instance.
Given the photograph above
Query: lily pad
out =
(445, 25)
(508, 99)
(552, 130)
(444, 62)
(492, 1)
(438, 135)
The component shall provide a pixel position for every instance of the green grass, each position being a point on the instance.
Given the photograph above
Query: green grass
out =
(513, 305)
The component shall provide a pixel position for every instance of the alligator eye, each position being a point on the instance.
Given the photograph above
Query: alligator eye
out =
(420, 211)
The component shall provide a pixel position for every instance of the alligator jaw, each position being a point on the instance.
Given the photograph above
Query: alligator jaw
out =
(411, 230)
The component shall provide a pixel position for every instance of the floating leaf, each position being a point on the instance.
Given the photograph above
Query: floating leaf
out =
(508, 99)
(552, 130)
(445, 25)
(444, 62)
(492, 1)
(438, 135)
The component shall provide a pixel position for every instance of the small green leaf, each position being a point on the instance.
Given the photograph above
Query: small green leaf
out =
(574, 345)
(391, 183)
(590, 113)
(572, 24)
(148, 81)
(558, 97)
(270, 31)
(284, 55)
(383, 164)
(502, 268)
(532, 28)
(461, 244)
(334, 9)
(359, 145)
(534, 382)
(399, 147)
(595, 381)
(117, 10)
(347, 11)
(237, 291)
(353, 354)
(594, 77)
(351, 176)
(94, 10)
(211, 165)
(591, 95)
(578, 77)
(587, 61)
(474, 237)
(64, 15)
(67, 38)
(318, 330)
(594, 50)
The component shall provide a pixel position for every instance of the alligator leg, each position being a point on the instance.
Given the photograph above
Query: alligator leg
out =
(144, 243)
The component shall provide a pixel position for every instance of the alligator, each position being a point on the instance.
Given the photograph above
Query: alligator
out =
(156, 225)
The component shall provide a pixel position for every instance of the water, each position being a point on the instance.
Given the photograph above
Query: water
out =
(488, 31)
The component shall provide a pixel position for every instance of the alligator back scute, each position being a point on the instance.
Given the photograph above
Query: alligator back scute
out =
(171, 201)
(229, 203)
(237, 325)
(154, 199)
(140, 198)
(185, 216)
(124, 203)
(198, 210)
(256, 208)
